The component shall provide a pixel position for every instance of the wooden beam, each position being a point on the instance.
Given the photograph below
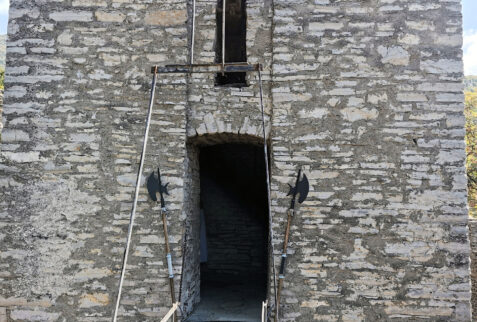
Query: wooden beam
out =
(171, 312)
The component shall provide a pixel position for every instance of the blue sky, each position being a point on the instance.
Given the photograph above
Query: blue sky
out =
(3, 16)
(470, 10)
(470, 32)
(470, 37)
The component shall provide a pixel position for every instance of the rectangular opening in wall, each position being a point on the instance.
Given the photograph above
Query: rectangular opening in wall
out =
(235, 40)
(233, 233)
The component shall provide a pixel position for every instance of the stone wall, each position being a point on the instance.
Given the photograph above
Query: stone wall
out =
(1, 111)
(76, 98)
(365, 96)
(473, 267)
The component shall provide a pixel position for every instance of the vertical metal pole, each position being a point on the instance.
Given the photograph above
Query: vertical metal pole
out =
(269, 193)
(169, 260)
(223, 35)
(264, 311)
(193, 34)
(136, 195)
(281, 276)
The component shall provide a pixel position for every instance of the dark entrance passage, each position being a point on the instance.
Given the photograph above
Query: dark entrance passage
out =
(234, 233)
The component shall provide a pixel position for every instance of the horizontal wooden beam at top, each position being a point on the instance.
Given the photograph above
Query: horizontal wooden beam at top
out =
(207, 68)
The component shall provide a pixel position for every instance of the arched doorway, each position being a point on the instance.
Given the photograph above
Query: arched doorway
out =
(230, 235)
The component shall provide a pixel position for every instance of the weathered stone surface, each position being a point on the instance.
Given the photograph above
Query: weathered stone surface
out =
(473, 268)
(3, 314)
(365, 96)
(394, 55)
(95, 299)
(166, 17)
(110, 16)
(71, 16)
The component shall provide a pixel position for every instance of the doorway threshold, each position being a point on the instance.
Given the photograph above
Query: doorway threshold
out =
(232, 302)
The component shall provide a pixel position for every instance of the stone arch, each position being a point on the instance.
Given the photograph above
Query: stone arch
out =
(232, 128)
(224, 138)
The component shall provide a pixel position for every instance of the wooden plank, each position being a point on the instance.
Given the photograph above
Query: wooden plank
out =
(171, 312)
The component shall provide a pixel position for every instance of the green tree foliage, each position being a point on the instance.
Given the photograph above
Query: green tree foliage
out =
(470, 82)
(471, 149)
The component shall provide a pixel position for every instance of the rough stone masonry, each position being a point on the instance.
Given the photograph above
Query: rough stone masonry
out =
(365, 95)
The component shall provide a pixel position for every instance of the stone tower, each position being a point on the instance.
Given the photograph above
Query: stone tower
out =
(364, 95)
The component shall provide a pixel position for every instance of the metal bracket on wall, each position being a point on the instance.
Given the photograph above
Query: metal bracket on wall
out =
(207, 68)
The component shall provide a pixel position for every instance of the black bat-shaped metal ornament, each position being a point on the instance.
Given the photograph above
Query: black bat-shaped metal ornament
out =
(302, 187)
(154, 185)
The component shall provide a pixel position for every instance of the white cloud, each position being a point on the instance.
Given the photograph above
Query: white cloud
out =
(470, 52)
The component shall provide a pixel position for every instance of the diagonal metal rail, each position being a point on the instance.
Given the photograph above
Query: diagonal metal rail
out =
(136, 196)
(269, 193)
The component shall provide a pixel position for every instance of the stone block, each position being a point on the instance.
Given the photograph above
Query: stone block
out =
(104, 16)
(166, 17)
(69, 15)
